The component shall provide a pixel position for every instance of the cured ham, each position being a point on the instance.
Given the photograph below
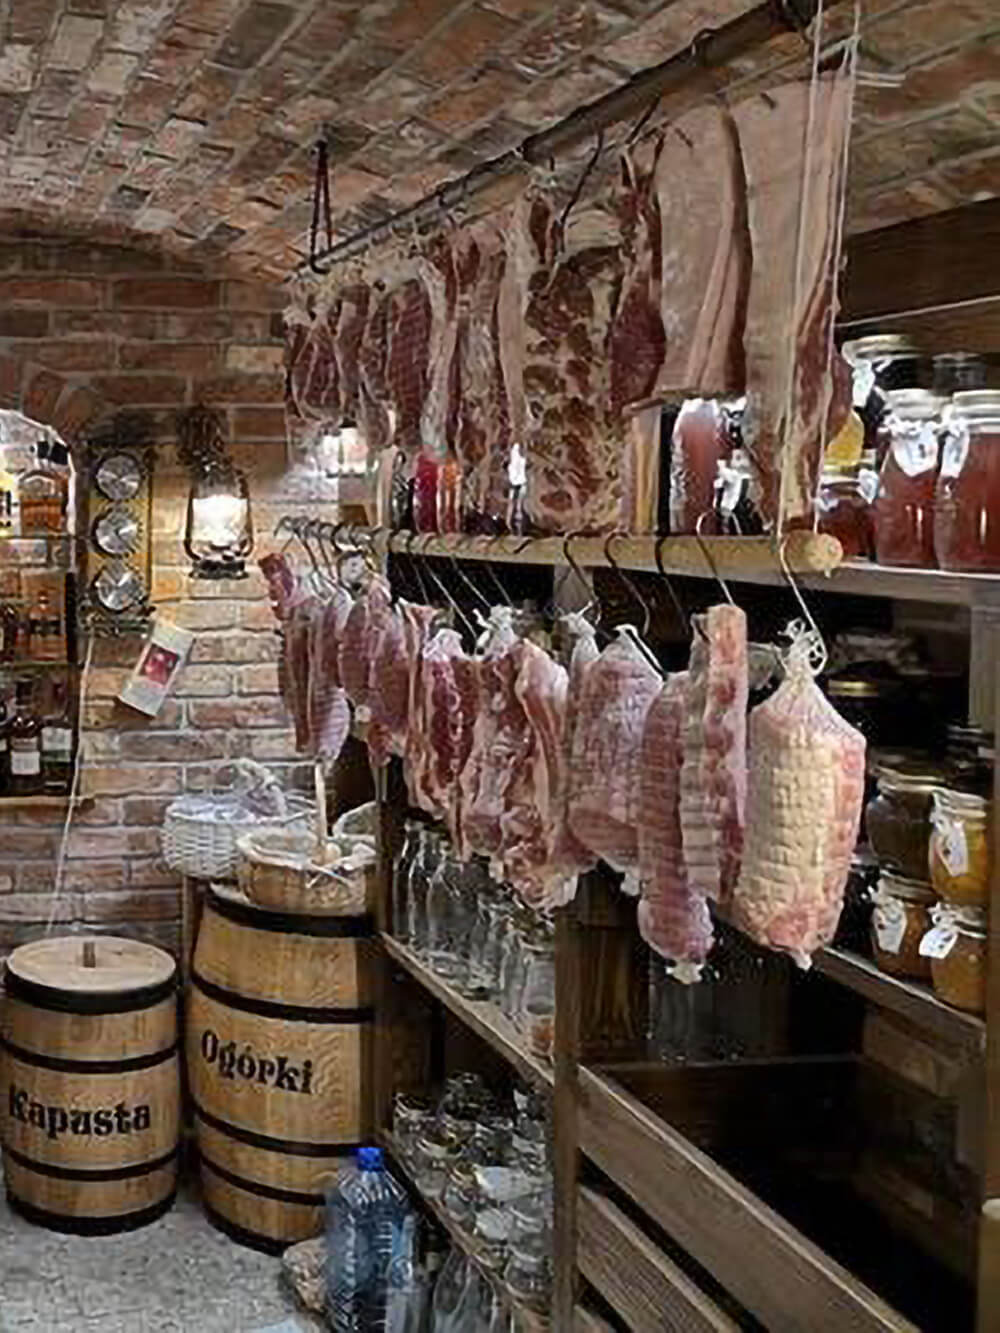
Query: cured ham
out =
(794, 154)
(806, 791)
(499, 736)
(329, 710)
(448, 713)
(617, 691)
(360, 639)
(351, 323)
(673, 916)
(704, 254)
(713, 769)
(637, 343)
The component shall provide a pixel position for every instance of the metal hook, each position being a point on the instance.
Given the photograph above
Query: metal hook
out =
(822, 656)
(636, 594)
(591, 164)
(581, 576)
(461, 574)
(432, 574)
(686, 620)
(504, 595)
(709, 558)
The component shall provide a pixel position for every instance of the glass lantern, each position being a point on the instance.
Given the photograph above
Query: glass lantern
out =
(219, 534)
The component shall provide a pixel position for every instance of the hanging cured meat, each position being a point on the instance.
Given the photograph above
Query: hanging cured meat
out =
(806, 790)
(673, 915)
(297, 324)
(373, 386)
(557, 364)
(794, 152)
(500, 735)
(713, 771)
(409, 321)
(617, 691)
(637, 343)
(439, 417)
(320, 394)
(704, 255)
(329, 711)
(351, 324)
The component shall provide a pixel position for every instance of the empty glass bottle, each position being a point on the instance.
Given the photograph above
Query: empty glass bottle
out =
(400, 881)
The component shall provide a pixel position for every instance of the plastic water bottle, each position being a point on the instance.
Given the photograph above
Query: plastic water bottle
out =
(365, 1212)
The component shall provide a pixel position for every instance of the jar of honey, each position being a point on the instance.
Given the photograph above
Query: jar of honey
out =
(901, 919)
(898, 819)
(959, 849)
(956, 949)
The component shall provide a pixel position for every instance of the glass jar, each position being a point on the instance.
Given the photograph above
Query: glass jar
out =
(854, 929)
(967, 503)
(421, 873)
(879, 364)
(401, 878)
(844, 509)
(538, 998)
(900, 921)
(957, 371)
(869, 703)
(959, 853)
(527, 1278)
(956, 947)
(425, 492)
(898, 820)
(411, 1114)
(904, 508)
(491, 1235)
(969, 758)
(464, 1094)
(435, 1156)
(460, 1193)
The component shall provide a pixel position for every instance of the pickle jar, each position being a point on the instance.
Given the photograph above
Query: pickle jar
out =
(898, 820)
(901, 919)
(956, 949)
(959, 850)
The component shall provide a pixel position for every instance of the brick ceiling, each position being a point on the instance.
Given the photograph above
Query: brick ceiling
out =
(189, 122)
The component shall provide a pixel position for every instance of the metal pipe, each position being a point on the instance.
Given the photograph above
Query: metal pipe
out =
(710, 50)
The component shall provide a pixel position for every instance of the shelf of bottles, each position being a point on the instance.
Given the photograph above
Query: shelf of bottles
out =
(37, 672)
(475, 945)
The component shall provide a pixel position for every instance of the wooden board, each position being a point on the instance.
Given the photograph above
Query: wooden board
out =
(780, 1276)
(637, 1279)
(585, 1321)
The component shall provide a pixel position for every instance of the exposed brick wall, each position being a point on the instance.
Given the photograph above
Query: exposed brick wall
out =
(83, 330)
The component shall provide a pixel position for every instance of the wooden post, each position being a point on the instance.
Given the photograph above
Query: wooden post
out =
(988, 1292)
(89, 953)
(566, 1055)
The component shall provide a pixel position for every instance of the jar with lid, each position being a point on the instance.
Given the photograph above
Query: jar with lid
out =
(855, 924)
(969, 758)
(956, 949)
(871, 703)
(491, 1235)
(436, 1152)
(880, 363)
(967, 503)
(901, 919)
(460, 1193)
(411, 1114)
(844, 509)
(904, 507)
(527, 1277)
(898, 819)
(956, 371)
(959, 852)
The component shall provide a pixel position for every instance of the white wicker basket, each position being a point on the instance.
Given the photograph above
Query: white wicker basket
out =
(205, 847)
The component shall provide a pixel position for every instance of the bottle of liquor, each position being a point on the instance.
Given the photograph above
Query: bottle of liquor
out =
(42, 492)
(46, 642)
(24, 742)
(4, 751)
(10, 624)
(57, 743)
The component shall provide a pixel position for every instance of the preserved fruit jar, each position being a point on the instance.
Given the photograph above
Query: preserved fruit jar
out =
(879, 365)
(967, 503)
(844, 509)
(955, 371)
(898, 820)
(959, 851)
(904, 509)
(956, 949)
(901, 919)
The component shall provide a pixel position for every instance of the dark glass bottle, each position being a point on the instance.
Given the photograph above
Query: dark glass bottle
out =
(57, 743)
(24, 743)
(4, 750)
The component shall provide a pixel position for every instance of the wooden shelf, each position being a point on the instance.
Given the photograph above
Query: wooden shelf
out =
(912, 1001)
(484, 1019)
(529, 1321)
(40, 802)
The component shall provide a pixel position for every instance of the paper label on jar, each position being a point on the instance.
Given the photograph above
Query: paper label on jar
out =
(915, 447)
(939, 942)
(889, 920)
(868, 484)
(863, 383)
(955, 451)
(951, 846)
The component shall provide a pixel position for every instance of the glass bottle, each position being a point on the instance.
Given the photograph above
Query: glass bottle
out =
(967, 501)
(42, 496)
(844, 509)
(421, 871)
(904, 509)
(4, 750)
(46, 642)
(425, 491)
(401, 880)
(57, 743)
(8, 494)
(446, 922)
(10, 628)
(538, 998)
(449, 495)
(24, 731)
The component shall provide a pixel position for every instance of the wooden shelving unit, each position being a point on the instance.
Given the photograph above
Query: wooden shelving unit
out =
(484, 1019)
(528, 1320)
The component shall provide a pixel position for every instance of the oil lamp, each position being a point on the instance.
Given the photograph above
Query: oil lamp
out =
(219, 531)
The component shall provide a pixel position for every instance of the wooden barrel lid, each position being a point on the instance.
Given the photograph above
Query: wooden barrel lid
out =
(231, 902)
(90, 973)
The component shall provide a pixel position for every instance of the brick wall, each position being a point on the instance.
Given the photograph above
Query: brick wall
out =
(83, 330)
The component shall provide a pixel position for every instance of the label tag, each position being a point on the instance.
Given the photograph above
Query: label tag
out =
(950, 845)
(25, 763)
(868, 484)
(938, 942)
(889, 920)
(914, 446)
(57, 740)
(863, 383)
(955, 451)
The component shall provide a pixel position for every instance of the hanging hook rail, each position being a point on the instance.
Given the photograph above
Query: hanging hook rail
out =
(713, 50)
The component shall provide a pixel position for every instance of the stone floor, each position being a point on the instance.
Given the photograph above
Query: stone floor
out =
(177, 1276)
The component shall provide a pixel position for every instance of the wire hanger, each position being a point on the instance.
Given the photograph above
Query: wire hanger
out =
(710, 559)
(432, 574)
(581, 576)
(647, 614)
(684, 617)
(819, 655)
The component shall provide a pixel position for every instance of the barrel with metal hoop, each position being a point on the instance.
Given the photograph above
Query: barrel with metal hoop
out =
(279, 1046)
(89, 1083)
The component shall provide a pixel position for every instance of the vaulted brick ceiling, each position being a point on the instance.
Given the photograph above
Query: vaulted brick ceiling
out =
(189, 122)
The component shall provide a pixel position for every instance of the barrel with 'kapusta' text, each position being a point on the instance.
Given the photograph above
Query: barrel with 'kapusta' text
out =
(89, 1083)
(279, 1052)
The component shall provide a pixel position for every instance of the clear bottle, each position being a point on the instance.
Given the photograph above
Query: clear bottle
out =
(365, 1214)
(446, 922)
(57, 743)
(42, 496)
(448, 1292)
(421, 873)
(24, 733)
(400, 881)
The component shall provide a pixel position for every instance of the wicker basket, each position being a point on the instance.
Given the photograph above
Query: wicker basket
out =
(278, 869)
(358, 823)
(205, 848)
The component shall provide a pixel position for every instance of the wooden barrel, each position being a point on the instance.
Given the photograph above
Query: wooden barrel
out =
(90, 1091)
(279, 1046)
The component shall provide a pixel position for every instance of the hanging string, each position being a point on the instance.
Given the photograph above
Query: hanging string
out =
(321, 203)
(74, 793)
